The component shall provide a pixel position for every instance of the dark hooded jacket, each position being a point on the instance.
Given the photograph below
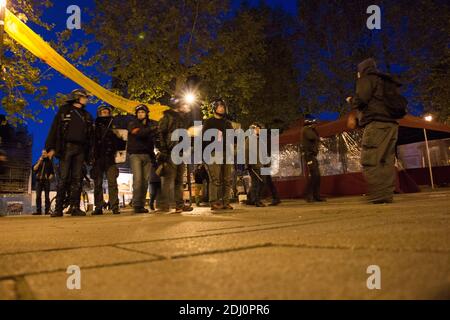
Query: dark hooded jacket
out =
(143, 141)
(310, 141)
(69, 122)
(170, 121)
(368, 99)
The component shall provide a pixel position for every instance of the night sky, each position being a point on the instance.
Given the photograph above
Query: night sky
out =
(59, 84)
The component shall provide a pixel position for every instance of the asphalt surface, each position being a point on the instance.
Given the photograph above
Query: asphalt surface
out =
(293, 251)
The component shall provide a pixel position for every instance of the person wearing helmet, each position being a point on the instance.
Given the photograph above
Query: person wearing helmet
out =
(310, 143)
(141, 137)
(70, 140)
(220, 174)
(173, 174)
(106, 145)
(258, 181)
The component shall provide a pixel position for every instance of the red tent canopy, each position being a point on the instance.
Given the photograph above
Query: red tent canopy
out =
(411, 130)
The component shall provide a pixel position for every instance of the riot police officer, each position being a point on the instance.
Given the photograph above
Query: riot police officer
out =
(310, 142)
(70, 140)
(106, 145)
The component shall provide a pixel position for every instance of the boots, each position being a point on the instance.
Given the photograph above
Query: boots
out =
(275, 202)
(216, 206)
(139, 210)
(98, 211)
(77, 212)
(57, 214)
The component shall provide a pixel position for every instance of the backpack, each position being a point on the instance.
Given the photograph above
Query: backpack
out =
(395, 103)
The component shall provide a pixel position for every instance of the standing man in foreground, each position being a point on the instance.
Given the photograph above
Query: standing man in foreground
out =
(141, 134)
(379, 104)
(70, 140)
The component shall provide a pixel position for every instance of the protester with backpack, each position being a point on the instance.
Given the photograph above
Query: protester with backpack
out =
(379, 105)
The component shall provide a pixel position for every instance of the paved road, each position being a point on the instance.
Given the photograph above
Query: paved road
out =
(294, 251)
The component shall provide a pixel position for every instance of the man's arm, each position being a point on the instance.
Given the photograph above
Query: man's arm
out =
(52, 137)
(364, 92)
(37, 165)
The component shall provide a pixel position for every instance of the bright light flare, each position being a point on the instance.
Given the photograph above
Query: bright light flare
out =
(2, 4)
(190, 98)
(428, 118)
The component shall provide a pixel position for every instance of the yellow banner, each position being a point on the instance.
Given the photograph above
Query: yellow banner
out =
(41, 49)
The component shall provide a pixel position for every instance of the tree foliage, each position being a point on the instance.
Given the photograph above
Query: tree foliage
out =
(152, 48)
(413, 41)
(22, 76)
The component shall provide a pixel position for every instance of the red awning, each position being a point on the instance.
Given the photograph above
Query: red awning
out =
(411, 130)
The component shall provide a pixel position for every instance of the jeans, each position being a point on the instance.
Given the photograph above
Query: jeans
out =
(172, 186)
(42, 185)
(220, 180)
(140, 167)
(71, 164)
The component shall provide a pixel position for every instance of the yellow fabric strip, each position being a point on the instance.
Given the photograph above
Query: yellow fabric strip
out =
(20, 32)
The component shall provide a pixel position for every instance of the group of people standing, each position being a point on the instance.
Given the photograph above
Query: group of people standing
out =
(76, 139)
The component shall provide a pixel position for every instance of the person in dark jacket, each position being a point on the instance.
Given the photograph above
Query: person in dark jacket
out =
(141, 136)
(310, 143)
(380, 132)
(70, 140)
(220, 174)
(44, 173)
(173, 174)
(106, 145)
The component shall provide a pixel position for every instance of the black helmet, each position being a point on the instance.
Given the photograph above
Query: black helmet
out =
(216, 103)
(104, 107)
(141, 107)
(76, 94)
(174, 101)
(309, 121)
(255, 125)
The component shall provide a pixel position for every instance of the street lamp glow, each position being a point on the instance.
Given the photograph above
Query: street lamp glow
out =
(429, 118)
(190, 98)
